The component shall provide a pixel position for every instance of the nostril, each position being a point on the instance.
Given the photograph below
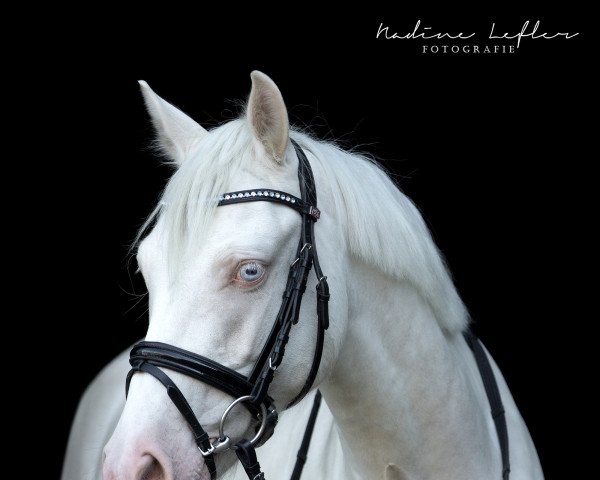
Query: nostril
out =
(150, 469)
(137, 462)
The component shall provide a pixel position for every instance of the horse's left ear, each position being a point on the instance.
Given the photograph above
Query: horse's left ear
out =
(268, 116)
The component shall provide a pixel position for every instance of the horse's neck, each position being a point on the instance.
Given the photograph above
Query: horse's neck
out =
(402, 391)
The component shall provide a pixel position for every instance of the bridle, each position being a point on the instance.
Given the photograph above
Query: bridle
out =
(251, 391)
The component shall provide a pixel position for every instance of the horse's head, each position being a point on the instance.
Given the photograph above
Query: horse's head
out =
(215, 278)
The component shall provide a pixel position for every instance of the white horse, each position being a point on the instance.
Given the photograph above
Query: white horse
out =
(404, 397)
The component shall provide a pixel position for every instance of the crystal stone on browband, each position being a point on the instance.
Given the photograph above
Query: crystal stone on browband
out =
(260, 193)
(270, 195)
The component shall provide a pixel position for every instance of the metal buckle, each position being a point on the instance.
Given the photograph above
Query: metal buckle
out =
(304, 247)
(271, 366)
(210, 451)
(223, 440)
(221, 444)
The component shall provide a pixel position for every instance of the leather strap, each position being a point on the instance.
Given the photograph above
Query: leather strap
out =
(200, 436)
(310, 426)
(494, 398)
(247, 457)
(195, 366)
(307, 257)
(309, 192)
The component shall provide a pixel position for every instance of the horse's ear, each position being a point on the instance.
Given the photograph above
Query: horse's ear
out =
(175, 130)
(267, 115)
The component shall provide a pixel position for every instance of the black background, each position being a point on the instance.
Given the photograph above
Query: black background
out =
(491, 148)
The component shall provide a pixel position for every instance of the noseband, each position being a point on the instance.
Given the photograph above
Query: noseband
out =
(251, 391)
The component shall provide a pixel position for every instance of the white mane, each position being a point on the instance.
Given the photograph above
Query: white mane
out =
(382, 226)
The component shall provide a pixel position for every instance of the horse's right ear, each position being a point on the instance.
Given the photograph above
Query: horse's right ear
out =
(176, 132)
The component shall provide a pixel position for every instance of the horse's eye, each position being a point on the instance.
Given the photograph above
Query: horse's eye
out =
(250, 272)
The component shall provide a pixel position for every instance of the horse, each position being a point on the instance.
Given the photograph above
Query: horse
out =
(403, 396)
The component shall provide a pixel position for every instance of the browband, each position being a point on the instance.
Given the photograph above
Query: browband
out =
(270, 195)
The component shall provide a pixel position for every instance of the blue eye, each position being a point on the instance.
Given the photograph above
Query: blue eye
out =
(251, 272)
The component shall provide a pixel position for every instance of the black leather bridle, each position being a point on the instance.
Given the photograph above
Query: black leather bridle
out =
(251, 391)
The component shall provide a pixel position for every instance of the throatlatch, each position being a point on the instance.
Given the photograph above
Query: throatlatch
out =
(252, 391)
